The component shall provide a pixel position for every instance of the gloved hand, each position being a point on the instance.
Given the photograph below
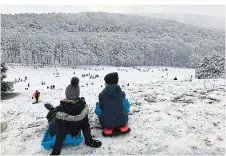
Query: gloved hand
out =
(94, 143)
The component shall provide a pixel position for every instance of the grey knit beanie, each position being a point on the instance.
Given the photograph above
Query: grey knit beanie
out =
(73, 91)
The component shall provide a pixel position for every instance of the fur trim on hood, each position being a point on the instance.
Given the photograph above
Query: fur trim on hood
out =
(67, 117)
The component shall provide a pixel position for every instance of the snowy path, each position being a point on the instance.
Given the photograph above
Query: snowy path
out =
(167, 117)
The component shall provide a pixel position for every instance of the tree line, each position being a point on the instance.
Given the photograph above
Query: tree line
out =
(105, 38)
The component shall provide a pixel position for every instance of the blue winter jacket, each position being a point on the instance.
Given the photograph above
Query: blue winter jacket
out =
(112, 105)
(98, 111)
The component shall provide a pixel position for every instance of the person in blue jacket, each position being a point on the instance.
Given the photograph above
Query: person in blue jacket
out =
(113, 106)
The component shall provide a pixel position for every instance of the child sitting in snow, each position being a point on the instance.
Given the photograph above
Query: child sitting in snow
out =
(70, 117)
(113, 108)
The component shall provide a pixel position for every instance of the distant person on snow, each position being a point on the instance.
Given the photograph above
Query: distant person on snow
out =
(113, 106)
(191, 78)
(36, 95)
(70, 117)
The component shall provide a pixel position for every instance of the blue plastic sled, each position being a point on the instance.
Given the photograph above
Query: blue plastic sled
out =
(48, 141)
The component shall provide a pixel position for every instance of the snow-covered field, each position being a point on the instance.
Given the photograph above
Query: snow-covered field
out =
(167, 117)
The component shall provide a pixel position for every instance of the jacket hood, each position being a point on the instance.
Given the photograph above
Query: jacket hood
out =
(72, 110)
(70, 107)
(74, 118)
(112, 90)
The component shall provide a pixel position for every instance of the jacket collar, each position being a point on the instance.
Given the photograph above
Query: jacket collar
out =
(66, 117)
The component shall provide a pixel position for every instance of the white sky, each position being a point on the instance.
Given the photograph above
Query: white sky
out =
(210, 10)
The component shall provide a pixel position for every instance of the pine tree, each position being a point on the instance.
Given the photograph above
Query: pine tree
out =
(5, 86)
(211, 67)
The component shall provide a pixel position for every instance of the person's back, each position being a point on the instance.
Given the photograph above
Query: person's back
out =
(111, 101)
(37, 93)
(70, 117)
(72, 114)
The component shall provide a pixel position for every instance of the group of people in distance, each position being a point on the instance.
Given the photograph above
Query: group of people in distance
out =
(71, 116)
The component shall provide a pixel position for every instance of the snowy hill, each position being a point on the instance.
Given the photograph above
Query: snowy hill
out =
(105, 38)
(202, 21)
(167, 117)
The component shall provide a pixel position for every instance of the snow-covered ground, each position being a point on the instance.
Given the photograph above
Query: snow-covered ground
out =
(167, 117)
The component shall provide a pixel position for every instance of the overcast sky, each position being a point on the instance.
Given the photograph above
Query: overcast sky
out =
(215, 11)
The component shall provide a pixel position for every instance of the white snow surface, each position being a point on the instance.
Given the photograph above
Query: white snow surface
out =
(166, 117)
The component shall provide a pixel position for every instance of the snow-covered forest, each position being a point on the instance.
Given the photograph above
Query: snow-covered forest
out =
(105, 38)
(211, 67)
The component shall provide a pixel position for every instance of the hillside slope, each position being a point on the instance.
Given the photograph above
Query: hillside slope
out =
(166, 116)
(105, 38)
